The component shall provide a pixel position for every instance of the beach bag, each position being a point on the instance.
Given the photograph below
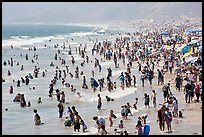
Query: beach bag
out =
(146, 130)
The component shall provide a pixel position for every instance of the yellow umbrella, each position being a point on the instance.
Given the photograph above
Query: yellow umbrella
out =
(187, 54)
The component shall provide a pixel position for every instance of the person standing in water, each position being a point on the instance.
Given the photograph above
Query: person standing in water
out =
(11, 90)
(37, 118)
(61, 109)
(153, 97)
(99, 102)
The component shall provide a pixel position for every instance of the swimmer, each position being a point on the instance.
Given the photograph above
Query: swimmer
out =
(78, 94)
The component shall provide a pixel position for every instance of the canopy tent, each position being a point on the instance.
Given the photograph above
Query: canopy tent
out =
(164, 33)
(186, 49)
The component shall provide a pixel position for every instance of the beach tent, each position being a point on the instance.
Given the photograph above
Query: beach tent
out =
(164, 33)
(186, 49)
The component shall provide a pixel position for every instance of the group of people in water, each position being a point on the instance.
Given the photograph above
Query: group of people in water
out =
(122, 49)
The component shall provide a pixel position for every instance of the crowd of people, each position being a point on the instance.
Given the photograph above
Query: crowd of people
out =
(147, 54)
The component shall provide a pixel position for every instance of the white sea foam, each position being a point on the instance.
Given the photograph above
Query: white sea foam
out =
(83, 34)
(18, 42)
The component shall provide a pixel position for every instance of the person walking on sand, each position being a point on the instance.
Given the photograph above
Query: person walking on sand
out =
(197, 92)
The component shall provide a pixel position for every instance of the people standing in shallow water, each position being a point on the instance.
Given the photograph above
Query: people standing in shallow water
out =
(99, 102)
(139, 127)
(11, 90)
(77, 119)
(153, 97)
(61, 109)
(37, 118)
(161, 118)
(22, 102)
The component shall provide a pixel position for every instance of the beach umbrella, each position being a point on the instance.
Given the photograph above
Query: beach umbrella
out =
(191, 59)
(200, 48)
(187, 54)
(164, 47)
(180, 48)
(164, 33)
(94, 83)
(194, 30)
(194, 41)
(186, 49)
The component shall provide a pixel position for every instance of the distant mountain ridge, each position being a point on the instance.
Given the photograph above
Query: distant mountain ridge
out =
(47, 12)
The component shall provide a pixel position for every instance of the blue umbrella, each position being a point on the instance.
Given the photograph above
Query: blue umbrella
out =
(194, 30)
(200, 48)
(186, 49)
(194, 41)
(164, 33)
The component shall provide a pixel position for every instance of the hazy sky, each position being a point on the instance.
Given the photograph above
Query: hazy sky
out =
(65, 12)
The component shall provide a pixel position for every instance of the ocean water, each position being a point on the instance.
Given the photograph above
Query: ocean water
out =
(17, 119)
(15, 31)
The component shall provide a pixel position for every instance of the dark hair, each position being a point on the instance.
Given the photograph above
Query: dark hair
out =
(35, 110)
(95, 118)
(139, 123)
